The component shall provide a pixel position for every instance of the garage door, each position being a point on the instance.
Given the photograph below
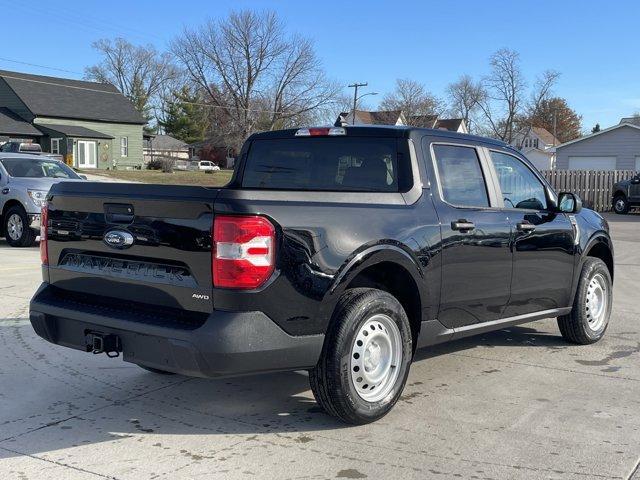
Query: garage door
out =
(592, 163)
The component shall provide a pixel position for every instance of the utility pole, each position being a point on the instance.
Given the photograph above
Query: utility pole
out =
(555, 127)
(355, 99)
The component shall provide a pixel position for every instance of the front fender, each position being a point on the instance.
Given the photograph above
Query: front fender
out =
(599, 237)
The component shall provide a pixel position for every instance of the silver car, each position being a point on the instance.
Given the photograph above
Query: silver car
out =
(25, 181)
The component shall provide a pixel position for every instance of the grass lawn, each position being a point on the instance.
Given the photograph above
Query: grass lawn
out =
(215, 179)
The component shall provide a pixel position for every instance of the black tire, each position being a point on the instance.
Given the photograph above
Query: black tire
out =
(620, 205)
(580, 326)
(27, 236)
(156, 370)
(332, 381)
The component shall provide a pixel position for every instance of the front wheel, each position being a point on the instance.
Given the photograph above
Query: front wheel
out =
(620, 205)
(589, 317)
(365, 359)
(16, 228)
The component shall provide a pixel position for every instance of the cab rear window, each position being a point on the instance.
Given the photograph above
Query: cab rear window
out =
(349, 164)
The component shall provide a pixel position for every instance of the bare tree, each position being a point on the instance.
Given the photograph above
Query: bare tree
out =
(139, 72)
(505, 88)
(540, 93)
(504, 103)
(253, 72)
(415, 101)
(464, 97)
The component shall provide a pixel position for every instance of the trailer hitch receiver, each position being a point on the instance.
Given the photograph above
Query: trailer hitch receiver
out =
(103, 343)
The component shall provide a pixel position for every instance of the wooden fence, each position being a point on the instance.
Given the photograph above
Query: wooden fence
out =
(595, 187)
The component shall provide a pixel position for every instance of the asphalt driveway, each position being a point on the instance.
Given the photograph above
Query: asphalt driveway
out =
(517, 403)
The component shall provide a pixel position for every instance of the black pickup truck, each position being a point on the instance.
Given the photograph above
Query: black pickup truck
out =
(334, 250)
(626, 195)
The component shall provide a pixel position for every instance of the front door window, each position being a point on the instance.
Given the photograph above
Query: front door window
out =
(520, 187)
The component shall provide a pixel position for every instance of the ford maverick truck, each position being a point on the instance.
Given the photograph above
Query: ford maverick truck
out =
(335, 250)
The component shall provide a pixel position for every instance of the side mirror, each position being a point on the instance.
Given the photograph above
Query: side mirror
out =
(84, 177)
(569, 202)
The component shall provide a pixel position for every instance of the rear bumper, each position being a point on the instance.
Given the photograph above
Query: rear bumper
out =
(227, 344)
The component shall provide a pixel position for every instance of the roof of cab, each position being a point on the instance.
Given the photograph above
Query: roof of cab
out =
(385, 131)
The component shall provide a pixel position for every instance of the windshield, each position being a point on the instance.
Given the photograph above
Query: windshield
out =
(36, 168)
(333, 164)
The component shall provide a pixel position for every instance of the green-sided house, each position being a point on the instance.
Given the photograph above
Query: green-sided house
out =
(92, 125)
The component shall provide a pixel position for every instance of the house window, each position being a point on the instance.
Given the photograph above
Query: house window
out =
(124, 146)
(55, 146)
(535, 143)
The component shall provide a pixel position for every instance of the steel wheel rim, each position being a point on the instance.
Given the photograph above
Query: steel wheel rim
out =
(597, 302)
(619, 205)
(376, 355)
(15, 227)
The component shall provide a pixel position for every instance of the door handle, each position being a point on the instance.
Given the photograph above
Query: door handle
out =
(525, 227)
(462, 225)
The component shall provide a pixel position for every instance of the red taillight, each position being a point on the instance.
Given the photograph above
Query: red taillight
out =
(243, 251)
(44, 247)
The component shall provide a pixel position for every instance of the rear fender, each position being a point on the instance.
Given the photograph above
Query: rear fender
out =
(392, 252)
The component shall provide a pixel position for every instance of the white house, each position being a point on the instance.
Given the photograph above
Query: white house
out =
(537, 144)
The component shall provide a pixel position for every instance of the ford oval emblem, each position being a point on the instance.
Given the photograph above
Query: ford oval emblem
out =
(118, 239)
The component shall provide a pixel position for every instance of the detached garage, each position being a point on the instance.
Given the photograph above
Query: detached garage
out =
(615, 148)
(592, 163)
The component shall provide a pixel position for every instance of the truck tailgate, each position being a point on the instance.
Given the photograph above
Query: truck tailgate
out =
(134, 245)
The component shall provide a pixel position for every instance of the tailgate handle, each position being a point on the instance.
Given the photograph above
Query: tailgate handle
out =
(118, 213)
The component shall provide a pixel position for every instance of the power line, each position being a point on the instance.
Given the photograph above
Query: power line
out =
(60, 84)
(39, 66)
(72, 18)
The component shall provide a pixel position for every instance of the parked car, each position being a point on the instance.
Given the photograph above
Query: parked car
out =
(24, 183)
(626, 194)
(334, 250)
(28, 148)
(207, 167)
(21, 147)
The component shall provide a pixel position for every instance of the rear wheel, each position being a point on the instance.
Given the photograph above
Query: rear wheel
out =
(16, 228)
(366, 356)
(589, 317)
(620, 204)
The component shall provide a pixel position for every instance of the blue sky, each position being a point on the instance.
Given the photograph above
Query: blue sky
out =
(593, 44)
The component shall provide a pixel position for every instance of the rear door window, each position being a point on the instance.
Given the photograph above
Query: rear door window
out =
(327, 163)
(461, 179)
